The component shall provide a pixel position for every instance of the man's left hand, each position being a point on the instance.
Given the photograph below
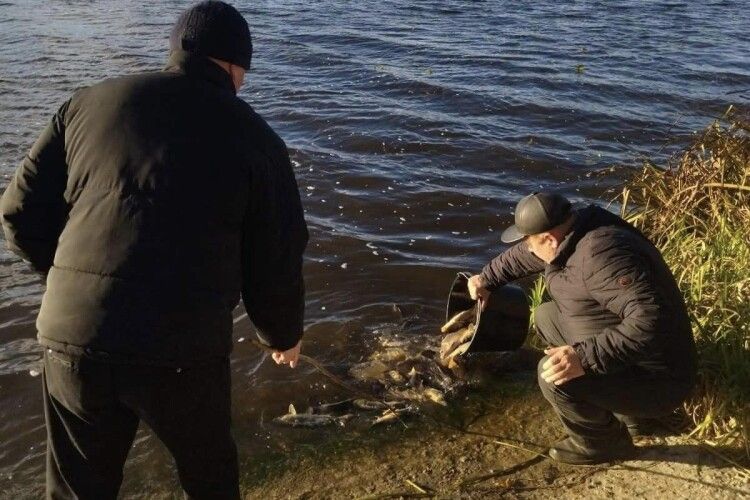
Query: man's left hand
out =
(563, 365)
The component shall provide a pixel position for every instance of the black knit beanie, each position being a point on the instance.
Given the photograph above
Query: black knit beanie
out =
(214, 29)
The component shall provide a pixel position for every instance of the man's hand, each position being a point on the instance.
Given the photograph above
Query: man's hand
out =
(290, 356)
(563, 365)
(478, 290)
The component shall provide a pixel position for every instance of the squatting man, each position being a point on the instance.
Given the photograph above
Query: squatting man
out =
(621, 351)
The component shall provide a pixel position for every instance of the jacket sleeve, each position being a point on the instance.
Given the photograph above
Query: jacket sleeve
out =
(274, 239)
(619, 279)
(33, 208)
(514, 263)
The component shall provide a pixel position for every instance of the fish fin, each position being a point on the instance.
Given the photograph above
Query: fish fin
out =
(292, 409)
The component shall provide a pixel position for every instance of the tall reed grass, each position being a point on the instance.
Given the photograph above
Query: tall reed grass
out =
(696, 210)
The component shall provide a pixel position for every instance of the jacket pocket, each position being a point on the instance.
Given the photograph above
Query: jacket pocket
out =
(83, 387)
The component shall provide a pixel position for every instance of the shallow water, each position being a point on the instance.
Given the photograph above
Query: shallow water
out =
(413, 130)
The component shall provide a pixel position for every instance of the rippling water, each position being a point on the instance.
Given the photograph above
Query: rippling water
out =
(413, 127)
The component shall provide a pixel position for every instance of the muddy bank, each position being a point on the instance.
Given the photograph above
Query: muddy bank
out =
(482, 446)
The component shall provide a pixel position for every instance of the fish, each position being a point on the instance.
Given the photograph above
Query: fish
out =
(415, 377)
(386, 417)
(459, 350)
(411, 369)
(336, 406)
(390, 355)
(294, 419)
(369, 370)
(459, 320)
(392, 415)
(453, 340)
(438, 378)
(457, 368)
(369, 404)
(422, 394)
(394, 343)
(434, 395)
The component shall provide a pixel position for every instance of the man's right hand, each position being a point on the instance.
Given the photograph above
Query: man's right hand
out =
(478, 289)
(290, 356)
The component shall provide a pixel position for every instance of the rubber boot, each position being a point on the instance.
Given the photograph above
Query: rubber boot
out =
(577, 451)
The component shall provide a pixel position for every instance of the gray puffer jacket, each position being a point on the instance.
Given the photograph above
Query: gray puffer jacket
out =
(620, 307)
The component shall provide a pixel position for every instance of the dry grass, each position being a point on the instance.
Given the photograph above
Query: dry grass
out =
(697, 212)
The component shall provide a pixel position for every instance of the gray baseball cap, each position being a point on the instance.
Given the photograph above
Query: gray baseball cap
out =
(537, 213)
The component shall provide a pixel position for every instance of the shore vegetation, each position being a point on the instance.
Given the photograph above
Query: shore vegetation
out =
(696, 210)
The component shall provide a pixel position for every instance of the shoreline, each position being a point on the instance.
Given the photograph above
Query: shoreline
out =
(466, 451)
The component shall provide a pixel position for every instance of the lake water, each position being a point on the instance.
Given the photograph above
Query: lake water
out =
(413, 127)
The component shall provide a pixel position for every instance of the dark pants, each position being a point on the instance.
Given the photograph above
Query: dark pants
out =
(92, 411)
(586, 405)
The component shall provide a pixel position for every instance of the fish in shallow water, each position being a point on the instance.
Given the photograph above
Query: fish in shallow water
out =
(369, 370)
(393, 415)
(434, 395)
(334, 407)
(370, 404)
(294, 419)
(390, 355)
(421, 394)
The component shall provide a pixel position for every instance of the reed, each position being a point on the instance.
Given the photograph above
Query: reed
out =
(536, 296)
(696, 210)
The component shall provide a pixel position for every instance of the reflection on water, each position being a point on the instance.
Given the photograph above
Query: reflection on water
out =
(413, 128)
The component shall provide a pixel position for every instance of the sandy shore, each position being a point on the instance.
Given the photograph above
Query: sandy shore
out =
(484, 446)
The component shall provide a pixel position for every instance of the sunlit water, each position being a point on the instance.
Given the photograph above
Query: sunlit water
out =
(413, 130)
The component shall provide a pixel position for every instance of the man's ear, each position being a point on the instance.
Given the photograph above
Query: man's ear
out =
(238, 75)
(550, 238)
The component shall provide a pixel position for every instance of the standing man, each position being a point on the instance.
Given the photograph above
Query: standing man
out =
(621, 346)
(150, 203)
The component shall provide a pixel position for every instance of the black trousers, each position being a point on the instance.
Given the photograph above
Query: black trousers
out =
(587, 405)
(92, 411)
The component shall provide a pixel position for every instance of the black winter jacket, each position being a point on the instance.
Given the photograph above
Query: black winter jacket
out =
(151, 202)
(619, 303)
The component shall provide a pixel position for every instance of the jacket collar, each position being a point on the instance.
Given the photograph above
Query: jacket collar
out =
(587, 219)
(577, 231)
(188, 63)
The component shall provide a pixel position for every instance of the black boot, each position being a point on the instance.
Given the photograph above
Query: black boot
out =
(639, 426)
(667, 425)
(573, 450)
